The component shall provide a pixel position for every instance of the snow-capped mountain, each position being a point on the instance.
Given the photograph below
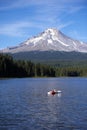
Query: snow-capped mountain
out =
(50, 39)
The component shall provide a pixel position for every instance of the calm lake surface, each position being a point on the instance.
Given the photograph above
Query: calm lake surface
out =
(25, 105)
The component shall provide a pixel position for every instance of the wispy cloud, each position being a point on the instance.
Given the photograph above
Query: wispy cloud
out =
(14, 29)
(18, 29)
(61, 26)
(48, 4)
(22, 4)
(48, 13)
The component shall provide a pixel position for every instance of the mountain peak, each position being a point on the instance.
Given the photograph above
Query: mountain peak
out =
(50, 39)
(51, 30)
(47, 36)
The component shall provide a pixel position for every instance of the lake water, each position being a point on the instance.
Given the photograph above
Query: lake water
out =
(25, 105)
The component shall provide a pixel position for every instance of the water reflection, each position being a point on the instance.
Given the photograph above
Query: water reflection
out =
(59, 95)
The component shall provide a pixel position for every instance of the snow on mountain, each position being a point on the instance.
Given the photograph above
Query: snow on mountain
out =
(50, 39)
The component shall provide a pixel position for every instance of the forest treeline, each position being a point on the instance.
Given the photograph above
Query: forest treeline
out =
(20, 68)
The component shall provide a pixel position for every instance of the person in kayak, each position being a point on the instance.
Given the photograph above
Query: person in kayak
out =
(53, 92)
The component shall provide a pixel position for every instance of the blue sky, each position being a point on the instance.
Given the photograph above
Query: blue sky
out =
(22, 19)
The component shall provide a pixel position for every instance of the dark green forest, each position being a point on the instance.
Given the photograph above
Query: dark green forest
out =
(23, 68)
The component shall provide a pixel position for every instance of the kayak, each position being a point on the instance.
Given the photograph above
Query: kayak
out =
(53, 92)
